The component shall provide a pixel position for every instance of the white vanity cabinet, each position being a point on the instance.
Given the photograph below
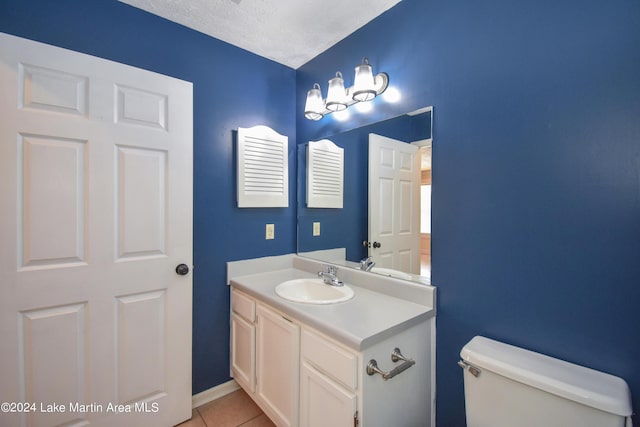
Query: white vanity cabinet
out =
(264, 347)
(328, 383)
(243, 340)
(277, 361)
(300, 375)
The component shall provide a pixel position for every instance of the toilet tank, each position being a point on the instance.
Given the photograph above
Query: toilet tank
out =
(506, 386)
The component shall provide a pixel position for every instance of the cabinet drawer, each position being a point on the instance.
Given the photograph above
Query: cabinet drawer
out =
(331, 359)
(243, 305)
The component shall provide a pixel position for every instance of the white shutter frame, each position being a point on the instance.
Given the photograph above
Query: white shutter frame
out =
(325, 174)
(263, 168)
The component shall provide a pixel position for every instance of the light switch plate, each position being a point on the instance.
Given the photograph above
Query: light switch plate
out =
(270, 232)
(316, 228)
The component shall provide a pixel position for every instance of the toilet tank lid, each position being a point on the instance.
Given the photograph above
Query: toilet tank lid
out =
(578, 383)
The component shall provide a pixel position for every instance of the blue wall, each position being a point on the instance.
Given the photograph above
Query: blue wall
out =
(536, 198)
(536, 171)
(232, 88)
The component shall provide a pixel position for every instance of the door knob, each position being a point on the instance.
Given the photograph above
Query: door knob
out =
(376, 244)
(182, 269)
(366, 244)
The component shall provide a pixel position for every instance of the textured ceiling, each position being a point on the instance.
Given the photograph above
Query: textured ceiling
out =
(290, 32)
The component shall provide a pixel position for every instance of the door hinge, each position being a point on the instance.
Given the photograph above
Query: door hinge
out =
(355, 419)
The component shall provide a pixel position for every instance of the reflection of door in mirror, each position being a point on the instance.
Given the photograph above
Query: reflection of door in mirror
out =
(425, 210)
(394, 204)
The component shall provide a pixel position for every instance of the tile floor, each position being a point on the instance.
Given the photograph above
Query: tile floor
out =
(233, 410)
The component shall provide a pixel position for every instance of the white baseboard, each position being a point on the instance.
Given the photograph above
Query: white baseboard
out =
(214, 393)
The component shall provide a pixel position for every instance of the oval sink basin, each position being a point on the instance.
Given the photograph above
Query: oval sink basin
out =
(313, 291)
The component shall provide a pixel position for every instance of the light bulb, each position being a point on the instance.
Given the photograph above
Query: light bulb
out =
(363, 86)
(336, 95)
(314, 108)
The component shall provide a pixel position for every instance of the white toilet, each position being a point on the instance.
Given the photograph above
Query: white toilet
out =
(507, 386)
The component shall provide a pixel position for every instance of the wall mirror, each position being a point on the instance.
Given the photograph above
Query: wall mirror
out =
(386, 213)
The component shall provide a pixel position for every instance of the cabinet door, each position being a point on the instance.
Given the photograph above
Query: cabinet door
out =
(324, 402)
(278, 358)
(243, 352)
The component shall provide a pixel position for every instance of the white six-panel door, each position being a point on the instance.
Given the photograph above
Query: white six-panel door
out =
(394, 204)
(95, 215)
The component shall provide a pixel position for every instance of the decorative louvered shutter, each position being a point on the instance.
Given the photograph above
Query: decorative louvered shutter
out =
(263, 168)
(325, 174)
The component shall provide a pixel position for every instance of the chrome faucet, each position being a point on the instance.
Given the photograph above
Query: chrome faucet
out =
(330, 276)
(366, 264)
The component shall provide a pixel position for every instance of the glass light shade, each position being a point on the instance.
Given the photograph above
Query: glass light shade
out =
(314, 107)
(336, 95)
(363, 86)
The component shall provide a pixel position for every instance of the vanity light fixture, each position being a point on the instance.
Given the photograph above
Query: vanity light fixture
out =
(366, 87)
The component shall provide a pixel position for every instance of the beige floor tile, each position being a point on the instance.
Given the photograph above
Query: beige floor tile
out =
(195, 421)
(231, 410)
(260, 421)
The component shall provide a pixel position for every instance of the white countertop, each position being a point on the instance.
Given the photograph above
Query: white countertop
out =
(368, 318)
